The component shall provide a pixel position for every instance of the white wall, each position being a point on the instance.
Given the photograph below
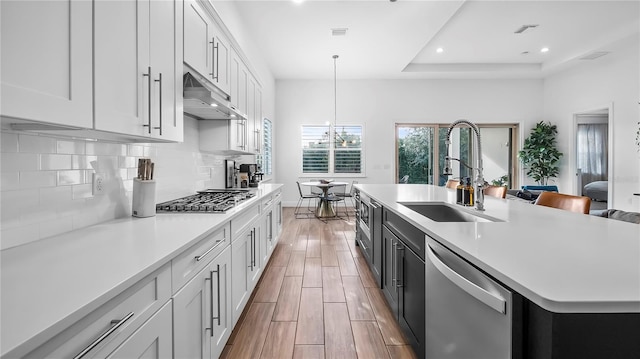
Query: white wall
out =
(379, 104)
(611, 80)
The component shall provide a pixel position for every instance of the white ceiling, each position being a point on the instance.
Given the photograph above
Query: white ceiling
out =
(398, 40)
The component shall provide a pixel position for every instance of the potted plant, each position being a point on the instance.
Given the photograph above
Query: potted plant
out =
(539, 154)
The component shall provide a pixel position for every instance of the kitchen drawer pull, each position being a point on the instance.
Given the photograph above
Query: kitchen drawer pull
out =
(148, 75)
(116, 324)
(217, 271)
(159, 81)
(394, 280)
(200, 257)
(494, 301)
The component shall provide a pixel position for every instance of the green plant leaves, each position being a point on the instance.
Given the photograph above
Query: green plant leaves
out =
(539, 154)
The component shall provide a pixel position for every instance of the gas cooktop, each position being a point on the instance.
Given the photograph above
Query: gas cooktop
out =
(207, 201)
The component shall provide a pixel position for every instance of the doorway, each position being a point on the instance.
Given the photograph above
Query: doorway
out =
(592, 146)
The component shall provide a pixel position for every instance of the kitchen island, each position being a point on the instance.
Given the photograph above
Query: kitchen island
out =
(578, 275)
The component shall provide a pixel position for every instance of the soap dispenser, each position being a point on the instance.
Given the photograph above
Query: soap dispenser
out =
(467, 193)
(459, 190)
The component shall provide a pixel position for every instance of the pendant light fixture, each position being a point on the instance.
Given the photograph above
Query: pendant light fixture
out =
(337, 137)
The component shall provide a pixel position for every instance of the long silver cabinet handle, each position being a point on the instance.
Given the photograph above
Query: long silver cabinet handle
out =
(148, 75)
(210, 279)
(217, 272)
(201, 257)
(496, 302)
(393, 264)
(159, 81)
(399, 282)
(116, 324)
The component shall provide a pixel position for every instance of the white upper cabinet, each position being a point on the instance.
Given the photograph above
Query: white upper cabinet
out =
(46, 61)
(206, 49)
(197, 34)
(137, 78)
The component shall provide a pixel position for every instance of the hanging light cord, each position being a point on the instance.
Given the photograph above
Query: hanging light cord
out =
(335, 93)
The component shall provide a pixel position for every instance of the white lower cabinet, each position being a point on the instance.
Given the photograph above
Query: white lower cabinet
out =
(121, 320)
(202, 321)
(152, 340)
(246, 267)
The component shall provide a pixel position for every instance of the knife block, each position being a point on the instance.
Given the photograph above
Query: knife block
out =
(144, 198)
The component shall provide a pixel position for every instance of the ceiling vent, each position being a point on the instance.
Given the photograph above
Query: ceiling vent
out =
(339, 32)
(524, 28)
(593, 55)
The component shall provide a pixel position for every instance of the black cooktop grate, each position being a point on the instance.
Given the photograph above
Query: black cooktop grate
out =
(208, 201)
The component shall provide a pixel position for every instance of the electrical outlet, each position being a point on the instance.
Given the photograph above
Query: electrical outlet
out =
(98, 184)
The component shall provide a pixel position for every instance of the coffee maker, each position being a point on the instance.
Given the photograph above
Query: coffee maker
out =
(253, 176)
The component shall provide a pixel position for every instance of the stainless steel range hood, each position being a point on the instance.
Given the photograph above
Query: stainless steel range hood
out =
(204, 101)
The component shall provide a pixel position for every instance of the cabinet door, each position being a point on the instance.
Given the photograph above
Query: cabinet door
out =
(46, 61)
(390, 243)
(221, 297)
(243, 78)
(162, 49)
(152, 340)
(258, 119)
(411, 300)
(197, 37)
(121, 61)
(238, 134)
(221, 55)
(234, 78)
(256, 270)
(241, 251)
(192, 313)
(251, 113)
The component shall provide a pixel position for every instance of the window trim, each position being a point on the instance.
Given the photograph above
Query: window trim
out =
(331, 172)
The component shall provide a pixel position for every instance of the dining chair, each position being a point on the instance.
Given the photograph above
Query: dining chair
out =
(452, 183)
(350, 194)
(315, 190)
(495, 191)
(339, 194)
(301, 199)
(578, 204)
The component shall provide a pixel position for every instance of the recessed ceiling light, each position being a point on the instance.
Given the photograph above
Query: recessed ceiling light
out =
(298, 1)
(544, 49)
(439, 50)
(214, 105)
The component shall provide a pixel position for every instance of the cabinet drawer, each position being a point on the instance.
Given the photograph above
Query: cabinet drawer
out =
(406, 232)
(121, 315)
(244, 220)
(191, 261)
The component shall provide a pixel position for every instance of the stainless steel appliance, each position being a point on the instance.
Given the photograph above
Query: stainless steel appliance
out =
(468, 314)
(209, 201)
(230, 174)
(204, 101)
(253, 175)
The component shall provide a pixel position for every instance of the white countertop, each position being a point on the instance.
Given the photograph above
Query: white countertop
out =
(49, 284)
(562, 261)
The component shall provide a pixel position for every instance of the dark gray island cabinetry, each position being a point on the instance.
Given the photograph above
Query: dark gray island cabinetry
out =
(567, 287)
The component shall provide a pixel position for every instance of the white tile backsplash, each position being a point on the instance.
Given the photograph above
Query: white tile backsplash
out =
(46, 180)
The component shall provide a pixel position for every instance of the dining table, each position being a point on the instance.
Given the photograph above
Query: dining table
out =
(325, 209)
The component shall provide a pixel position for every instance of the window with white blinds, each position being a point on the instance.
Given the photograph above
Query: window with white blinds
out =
(267, 153)
(329, 151)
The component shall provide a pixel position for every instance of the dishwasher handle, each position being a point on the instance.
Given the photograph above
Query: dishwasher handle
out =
(496, 302)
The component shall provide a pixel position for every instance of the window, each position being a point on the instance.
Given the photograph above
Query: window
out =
(421, 149)
(332, 150)
(267, 154)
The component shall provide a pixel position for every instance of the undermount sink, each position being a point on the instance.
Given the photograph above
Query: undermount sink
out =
(443, 212)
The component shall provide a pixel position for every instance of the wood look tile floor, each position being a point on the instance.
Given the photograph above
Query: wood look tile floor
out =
(317, 299)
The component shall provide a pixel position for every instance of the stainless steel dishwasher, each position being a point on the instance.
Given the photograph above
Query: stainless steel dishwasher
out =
(468, 315)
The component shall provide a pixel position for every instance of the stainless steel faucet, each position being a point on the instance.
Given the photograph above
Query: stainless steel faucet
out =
(479, 182)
